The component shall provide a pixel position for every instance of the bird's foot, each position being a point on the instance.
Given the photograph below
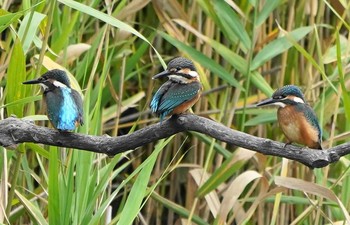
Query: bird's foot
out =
(288, 143)
(175, 116)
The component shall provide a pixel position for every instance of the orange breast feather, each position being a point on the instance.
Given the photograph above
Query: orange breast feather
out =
(296, 128)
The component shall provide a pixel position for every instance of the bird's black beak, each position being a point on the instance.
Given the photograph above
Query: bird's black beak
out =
(35, 81)
(267, 102)
(165, 73)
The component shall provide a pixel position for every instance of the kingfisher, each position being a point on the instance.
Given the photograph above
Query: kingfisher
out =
(64, 104)
(180, 92)
(296, 118)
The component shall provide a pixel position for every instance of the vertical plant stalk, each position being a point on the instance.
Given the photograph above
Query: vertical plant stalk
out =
(277, 202)
(4, 174)
(249, 72)
(284, 56)
(206, 165)
(19, 155)
(3, 185)
(17, 165)
(46, 37)
(120, 100)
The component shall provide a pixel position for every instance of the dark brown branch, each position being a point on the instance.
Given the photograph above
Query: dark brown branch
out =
(14, 131)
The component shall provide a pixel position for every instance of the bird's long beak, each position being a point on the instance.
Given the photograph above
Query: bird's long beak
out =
(35, 81)
(267, 102)
(165, 73)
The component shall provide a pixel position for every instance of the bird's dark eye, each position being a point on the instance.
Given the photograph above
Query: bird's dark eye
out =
(178, 68)
(280, 96)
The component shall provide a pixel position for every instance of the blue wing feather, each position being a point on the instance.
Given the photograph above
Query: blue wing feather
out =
(172, 94)
(311, 116)
(79, 104)
(159, 95)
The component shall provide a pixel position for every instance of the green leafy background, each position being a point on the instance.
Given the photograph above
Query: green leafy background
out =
(243, 51)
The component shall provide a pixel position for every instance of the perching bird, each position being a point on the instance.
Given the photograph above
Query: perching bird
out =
(296, 118)
(180, 92)
(64, 104)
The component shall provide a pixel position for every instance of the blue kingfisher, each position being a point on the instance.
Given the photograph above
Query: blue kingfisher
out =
(296, 118)
(64, 104)
(180, 92)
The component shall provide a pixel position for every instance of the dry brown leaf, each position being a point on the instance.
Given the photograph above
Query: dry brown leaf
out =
(231, 195)
(264, 186)
(132, 8)
(166, 21)
(305, 186)
(212, 198)
(73, 52)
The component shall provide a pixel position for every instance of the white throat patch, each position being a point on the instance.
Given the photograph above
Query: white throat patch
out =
(280, 104)
(43, 86)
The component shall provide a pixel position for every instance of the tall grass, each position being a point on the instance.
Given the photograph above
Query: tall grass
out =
(243, 50)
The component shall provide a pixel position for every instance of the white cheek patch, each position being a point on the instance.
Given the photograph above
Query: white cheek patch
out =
(297, 99)
(178, 78)
(280, 104)
(193, 74)
(59, 84)
(43, 86)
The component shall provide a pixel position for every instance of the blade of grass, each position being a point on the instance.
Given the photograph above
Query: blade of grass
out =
(15, 76)
(139, 188)
(22, 101)
(33, 210)
(182, 211)
(225, 171)
(7, 18)
(266, 116)
(203, 60)
(308, 57)
(231, 21)
(68, 24)
(110, 20)
(337, 14)
(217, 146)
(108, 174)
(28, 29)
(83, 182)
(230, 56)
(266, 11)
(278, 46)
(54, 192)
(14, 91)
(346, 97)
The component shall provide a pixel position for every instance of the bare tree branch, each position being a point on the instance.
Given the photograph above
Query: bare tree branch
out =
(14, 131)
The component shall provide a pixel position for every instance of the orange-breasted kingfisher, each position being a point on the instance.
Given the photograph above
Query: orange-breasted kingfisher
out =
(64, 105)
(180, 92)
(296, 118)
